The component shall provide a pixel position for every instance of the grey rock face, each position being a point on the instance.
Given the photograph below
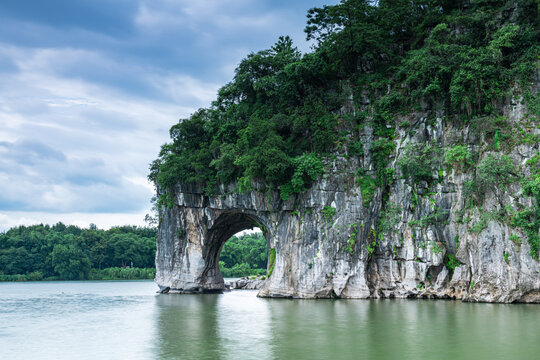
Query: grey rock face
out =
(245, 284)
(328, 244)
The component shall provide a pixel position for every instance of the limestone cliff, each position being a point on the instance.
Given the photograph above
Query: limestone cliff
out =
(411, 238)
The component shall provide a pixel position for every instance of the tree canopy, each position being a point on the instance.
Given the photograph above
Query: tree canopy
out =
(244, 255)
(284, 111)
(71, 253)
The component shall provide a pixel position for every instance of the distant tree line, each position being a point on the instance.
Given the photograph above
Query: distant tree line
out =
(60, 252)
(244, 255)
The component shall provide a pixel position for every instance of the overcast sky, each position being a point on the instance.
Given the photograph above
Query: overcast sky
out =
(89, 89)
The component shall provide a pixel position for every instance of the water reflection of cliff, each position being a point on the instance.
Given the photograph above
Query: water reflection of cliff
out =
(229, 326)
(238, 325)
(187, 327)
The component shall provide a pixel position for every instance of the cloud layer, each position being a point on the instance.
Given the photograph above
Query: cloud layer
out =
(89, 90)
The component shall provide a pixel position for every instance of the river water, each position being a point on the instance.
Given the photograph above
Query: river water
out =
(128, 320)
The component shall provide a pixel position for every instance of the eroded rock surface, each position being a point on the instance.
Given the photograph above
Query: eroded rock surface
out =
(245, 283)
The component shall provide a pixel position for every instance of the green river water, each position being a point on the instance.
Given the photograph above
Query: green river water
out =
(128, 320)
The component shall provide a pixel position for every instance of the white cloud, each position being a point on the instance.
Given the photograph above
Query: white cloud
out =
(216, 27)
(200, 15)
(141, 181)
(183, 88)
(78, 146)
(103, 220)
(152, 18)
(83, 111)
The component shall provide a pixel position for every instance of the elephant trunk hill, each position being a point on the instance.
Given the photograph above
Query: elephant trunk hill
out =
(401, 158)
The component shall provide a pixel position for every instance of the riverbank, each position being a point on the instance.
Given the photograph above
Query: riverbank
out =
(112, 273)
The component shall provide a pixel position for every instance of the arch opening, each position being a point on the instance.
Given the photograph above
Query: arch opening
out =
(244, 254)
(231, 226)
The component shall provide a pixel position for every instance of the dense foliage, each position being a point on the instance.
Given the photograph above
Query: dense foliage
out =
(265, 124)
(529, 219)
(281, 112)
(244, 255)
(71, 253)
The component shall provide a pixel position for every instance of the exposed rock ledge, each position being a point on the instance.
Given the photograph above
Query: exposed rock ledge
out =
(245, 283)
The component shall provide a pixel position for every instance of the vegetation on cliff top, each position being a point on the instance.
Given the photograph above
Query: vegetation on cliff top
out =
(280, 114)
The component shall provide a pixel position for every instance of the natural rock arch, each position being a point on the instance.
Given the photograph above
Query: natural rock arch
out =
(193, 232)
(226, 225)
(310, 248)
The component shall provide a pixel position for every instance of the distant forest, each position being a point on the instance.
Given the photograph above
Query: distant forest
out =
(244, 256)
(62, 252)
